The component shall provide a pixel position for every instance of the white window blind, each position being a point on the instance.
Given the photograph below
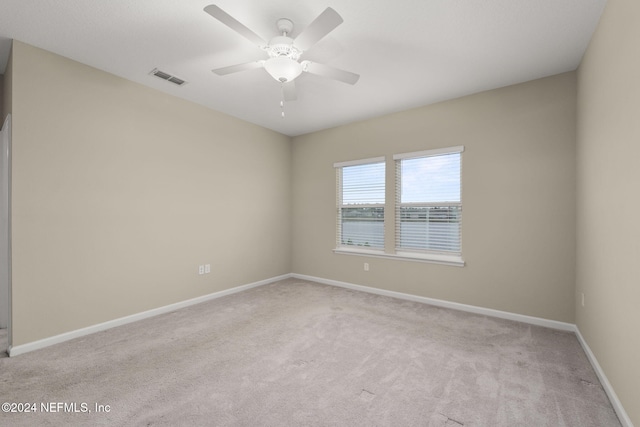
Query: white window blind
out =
(428, 201)
(360, 203)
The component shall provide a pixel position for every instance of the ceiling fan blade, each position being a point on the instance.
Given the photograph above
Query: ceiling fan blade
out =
(320, 27)
(331, 72)
(289, 91)
(239, 67)
(234, 24)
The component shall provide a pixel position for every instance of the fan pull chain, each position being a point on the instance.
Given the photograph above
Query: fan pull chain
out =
(282, 101)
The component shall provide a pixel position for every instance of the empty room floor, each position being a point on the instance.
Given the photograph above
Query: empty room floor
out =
(301, 353)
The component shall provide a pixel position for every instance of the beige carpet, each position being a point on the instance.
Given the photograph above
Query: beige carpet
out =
(296, 353)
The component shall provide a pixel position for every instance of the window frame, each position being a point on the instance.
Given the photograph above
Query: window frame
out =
(339, 167)
(445, 256)
(392, 214)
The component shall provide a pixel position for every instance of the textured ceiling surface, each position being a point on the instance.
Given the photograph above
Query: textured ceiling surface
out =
(408, 53)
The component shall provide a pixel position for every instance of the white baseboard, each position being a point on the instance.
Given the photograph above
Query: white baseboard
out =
(606, 385)
(446, 304)
(553, 324)
(46, 342)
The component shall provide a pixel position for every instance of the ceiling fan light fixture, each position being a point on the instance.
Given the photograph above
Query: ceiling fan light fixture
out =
(283, 69)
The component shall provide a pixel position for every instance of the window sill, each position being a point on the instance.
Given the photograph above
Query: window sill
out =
(452, 260)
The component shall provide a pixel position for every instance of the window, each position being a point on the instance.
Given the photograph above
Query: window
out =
(428, 202)
(361, 204)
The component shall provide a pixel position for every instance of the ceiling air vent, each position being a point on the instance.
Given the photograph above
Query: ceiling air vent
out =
(168, 77)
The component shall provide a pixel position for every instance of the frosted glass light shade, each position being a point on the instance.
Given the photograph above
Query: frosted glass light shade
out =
(283, 69)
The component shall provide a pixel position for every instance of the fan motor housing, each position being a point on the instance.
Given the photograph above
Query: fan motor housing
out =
(280, 46)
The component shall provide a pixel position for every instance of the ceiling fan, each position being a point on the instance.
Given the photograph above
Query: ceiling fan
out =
(284, 52)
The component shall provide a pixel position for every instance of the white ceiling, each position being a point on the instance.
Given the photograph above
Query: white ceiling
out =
(408, 53)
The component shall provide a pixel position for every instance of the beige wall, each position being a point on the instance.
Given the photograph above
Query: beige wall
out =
(120, 192)
(608, 271)
(518, 198)
(5, 90)
(2, 98)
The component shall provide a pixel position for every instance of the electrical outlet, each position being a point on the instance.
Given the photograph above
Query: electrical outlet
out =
(366, 266)
(207, 268)
(582, 298)
(201, 269)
